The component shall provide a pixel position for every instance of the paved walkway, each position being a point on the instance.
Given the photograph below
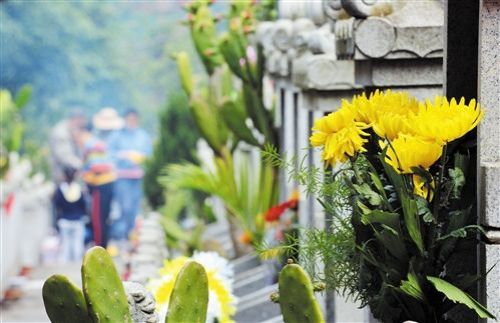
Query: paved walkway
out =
(30, 308)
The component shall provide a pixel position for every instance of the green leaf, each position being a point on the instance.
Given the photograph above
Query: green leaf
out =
(388, 218)
(389, 239)
(363, 208)
(412, 221)
(423, 210)
(412, 287)
(23, 96)
(396, 179)
(173, 229)
(378, 184)
(235, 119)
(456, 295)
(462, 232)
(458, 180)
(367, 193)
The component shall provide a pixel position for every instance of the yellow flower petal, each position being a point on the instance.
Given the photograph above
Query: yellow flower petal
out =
(419, 187)
(339, 134)
(407, 151)
(445, 121)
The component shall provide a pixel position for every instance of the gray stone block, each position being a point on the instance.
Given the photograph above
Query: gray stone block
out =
(407, 72)
(490, 187)
(493, 280)
(489, 81)
(257, 307)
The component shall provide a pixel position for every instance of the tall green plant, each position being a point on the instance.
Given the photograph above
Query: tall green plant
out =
(219, 104)
(247, 193)
(227, 106)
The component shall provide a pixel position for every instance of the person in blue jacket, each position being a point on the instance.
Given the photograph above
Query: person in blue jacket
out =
(129, 148)
(71, 208)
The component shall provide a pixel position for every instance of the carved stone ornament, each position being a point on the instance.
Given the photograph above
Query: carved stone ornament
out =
(283, 33)
(310, 9)
(414, 30)
(323, 72)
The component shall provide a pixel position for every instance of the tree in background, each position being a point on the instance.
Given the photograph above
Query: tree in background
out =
(176, 143)
(89, 54)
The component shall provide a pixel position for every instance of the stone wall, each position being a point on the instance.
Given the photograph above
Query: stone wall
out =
(489, 145)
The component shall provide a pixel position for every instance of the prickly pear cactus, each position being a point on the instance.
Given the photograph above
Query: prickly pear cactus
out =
(189, 298)
(63, 301)
(296, 296)
(103, 289)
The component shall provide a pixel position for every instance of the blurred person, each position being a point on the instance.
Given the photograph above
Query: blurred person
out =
(70, 207)
(64, 148)
(129, 147)
(99, 171)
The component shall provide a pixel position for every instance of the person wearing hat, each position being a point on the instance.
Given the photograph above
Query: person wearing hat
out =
(129, 146)
(99, 172)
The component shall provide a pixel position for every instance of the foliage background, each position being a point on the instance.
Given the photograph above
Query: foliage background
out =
(176, 143)
(91, 54)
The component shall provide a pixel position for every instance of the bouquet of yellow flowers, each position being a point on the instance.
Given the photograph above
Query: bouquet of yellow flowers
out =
(406, 167)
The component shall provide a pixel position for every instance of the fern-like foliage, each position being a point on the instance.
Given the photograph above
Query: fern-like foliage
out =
(329, 255)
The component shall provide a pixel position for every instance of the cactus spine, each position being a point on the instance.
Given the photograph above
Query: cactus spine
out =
(63, 301)
(296, 296)
(103, 289)
(189, 298)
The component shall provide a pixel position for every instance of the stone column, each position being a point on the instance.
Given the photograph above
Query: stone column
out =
(489, 145)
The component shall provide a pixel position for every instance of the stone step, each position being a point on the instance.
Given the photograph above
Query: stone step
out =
(245, 263)
(256, 307)
(251, 284)
(260, 270)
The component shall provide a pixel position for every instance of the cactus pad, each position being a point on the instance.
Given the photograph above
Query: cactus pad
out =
(297, 301)
(189, 298)
(103, 289)
(64, 302)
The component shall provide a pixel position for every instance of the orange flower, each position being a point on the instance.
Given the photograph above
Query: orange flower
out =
(246, 238)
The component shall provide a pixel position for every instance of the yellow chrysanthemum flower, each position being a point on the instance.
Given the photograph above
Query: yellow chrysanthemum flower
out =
(445, 121)
(380, 103)
(390, 125)
(407, 151)
(340, 135)
(219, 294)
(421, 189)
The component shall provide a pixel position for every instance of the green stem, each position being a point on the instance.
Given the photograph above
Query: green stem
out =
(440, 182)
